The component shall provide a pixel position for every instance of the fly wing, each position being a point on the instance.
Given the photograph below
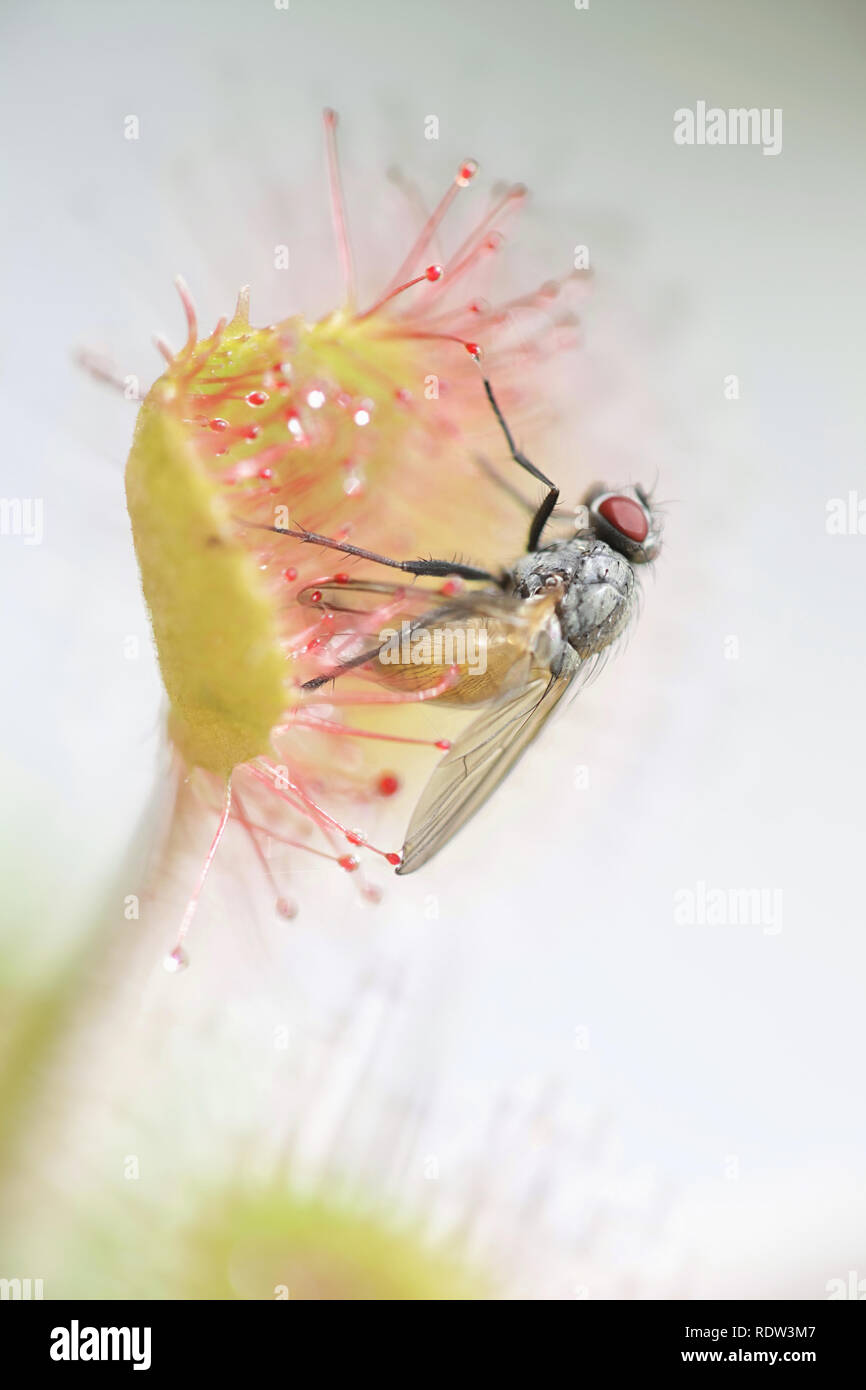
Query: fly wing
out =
(479, 760)
(373, 605)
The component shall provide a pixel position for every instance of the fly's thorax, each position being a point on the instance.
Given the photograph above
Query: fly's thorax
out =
(596, 584)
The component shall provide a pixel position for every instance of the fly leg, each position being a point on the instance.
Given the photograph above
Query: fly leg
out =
(432, 568)
(340, 670)
(543, 513)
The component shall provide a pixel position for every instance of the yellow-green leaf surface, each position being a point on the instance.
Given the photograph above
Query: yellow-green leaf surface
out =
(212, 620)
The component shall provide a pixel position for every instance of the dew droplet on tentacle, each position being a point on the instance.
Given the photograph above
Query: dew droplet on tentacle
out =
(178, 955)
(175, 961)
(293, 793)
(464, 176)
(431, 274)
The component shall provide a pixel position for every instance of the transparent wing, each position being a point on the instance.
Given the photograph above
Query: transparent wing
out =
(480, 759)
(371, 606)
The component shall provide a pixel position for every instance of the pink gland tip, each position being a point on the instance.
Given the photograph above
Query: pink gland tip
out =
(466, 173)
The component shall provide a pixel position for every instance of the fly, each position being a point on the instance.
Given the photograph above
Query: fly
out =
(542, 622)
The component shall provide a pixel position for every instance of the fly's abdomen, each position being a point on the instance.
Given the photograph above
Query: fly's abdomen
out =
(466, 662)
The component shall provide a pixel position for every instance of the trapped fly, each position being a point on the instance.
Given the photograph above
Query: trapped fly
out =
(511, 644)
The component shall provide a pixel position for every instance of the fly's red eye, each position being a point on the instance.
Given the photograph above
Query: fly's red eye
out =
(627, 516)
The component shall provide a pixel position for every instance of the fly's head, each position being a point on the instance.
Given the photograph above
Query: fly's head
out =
(624, 519)
(591, 577)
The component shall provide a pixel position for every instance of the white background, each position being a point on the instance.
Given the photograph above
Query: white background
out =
(704, 1042)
